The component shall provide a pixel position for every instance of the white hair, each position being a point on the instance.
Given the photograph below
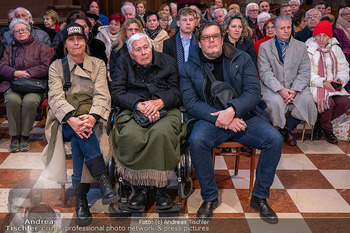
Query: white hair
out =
(137, 36)
(263, 15)
(220, 9)
(312, 9)
(298, 2)
(17, 21)
(342, 9)
(27, 11)
(173, 5)
(128, 7)
(250, 6)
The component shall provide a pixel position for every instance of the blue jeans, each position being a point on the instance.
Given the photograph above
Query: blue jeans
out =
(259, 134)
(86, 148)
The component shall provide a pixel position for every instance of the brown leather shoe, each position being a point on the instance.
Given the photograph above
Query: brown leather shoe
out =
(290, 139)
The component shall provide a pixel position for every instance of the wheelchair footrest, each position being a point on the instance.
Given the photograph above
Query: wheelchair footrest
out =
(175, 208)
(124, 207)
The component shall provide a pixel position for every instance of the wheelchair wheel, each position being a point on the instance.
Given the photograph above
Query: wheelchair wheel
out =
(125, 191)
(112, 170)
(186, 187)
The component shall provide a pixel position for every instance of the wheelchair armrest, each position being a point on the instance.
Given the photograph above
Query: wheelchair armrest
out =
(110, 123)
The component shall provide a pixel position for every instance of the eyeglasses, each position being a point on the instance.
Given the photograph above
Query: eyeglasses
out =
(269, 28)
(214, 37)
(313, 16)
(345, 14)
(20, 30)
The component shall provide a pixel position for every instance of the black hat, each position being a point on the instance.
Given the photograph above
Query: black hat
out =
(73, 29)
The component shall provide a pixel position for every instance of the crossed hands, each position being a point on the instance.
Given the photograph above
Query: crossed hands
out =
(82, 125)
(21, 74)
(151, 109)
(287, 95)
(227, 121)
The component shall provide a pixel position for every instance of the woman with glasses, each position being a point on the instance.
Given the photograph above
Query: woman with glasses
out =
(238, 34)
(343, 21)
(269, 32)
(154, 31)
(26, 58)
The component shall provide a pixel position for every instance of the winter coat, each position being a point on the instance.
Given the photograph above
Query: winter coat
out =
(303, 35)
(157, 43)
(343, 67)
(115, 54)
(238, 70)
(90, 80)
(293, 74)
(31, 55)
(107, 38)
(36, 32)
(161, 79)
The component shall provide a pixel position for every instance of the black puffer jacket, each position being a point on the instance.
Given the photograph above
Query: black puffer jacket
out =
(115, 54)
(131, 83)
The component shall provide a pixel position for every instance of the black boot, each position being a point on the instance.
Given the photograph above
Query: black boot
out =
(139, 200)
(162, 198)
(98, 169)
(83, 216)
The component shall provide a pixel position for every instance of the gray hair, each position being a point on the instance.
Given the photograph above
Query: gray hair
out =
(298, 2)
(173, 5)
(263, 15)
(137, 36)
(27, 11)
(281, 18)
(128, 7)
(343, 9)
(17, 21)
(220, 9)
(250, 6)
(313, 9)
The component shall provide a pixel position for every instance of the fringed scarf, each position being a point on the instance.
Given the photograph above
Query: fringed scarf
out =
(153, 33)
(322, 93)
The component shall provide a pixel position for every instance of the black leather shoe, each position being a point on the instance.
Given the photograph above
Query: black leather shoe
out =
(330, 137)
(205, 212)
(83, 216)
(289, 138)
(108, 193)
(266, 213)
(139, 200)
(162, 199)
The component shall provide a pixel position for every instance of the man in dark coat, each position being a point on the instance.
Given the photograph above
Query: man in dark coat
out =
(313, 16)
(243, 121)
(179, 45)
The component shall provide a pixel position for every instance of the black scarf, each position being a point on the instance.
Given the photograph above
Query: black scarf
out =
(153, 33)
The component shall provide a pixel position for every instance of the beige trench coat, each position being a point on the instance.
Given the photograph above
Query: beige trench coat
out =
(90, 80)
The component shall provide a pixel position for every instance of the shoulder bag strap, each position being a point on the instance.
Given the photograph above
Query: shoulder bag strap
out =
(66, 74)
(13, 55)
(209, 73)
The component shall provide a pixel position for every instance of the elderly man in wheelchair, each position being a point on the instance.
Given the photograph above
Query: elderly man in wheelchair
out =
(146, 137)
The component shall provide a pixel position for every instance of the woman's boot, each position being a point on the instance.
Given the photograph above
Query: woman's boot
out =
(83, 216)
(98, 169)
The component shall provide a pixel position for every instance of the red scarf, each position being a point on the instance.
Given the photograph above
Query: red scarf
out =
(322, 93)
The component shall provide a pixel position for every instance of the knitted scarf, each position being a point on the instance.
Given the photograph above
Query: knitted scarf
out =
(322, 93)
(343, 24)
(153, 33)
(180, 55)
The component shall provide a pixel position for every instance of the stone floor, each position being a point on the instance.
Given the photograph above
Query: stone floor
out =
(310, 193)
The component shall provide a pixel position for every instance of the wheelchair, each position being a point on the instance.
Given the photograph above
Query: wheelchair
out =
(125, 191)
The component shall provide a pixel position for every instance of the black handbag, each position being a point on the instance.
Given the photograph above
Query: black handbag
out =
(144, 121)
(27, 85)
(220, 92)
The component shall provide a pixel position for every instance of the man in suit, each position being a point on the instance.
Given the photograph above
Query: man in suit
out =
(285, 72)
(178, 46)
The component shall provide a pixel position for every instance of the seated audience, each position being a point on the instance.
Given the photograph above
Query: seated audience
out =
(154, 31)
(129, 28)
(109, 34)
(78, 114)
(286, 10)
(141, 8)
(26, 58)
(51, 26)
(343, 21)
(146, 82)
(328, 66)
(251, 13)
(95, 24)
(9, 16)
(328, 9)
(299, 20)
(295, 6)
(234, 7)
(320, 6)
(258, 31)
(208, 14)
(269, 33)
(238, 34)
(284, 68)
(219, 15)
(242, 120)
(172, 21)
(37, 33)
(173, 8)
(163, 22)
(313, 16)
(94, 6)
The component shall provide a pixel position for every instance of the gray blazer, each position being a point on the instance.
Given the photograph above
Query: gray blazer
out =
(294, 74)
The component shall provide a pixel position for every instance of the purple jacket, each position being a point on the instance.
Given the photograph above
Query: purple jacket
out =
(31, 55)
(343, 40)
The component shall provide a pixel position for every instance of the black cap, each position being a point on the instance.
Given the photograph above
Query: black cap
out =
(73, 29)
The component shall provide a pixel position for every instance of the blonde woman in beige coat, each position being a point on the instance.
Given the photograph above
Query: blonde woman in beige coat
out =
(78, 113)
